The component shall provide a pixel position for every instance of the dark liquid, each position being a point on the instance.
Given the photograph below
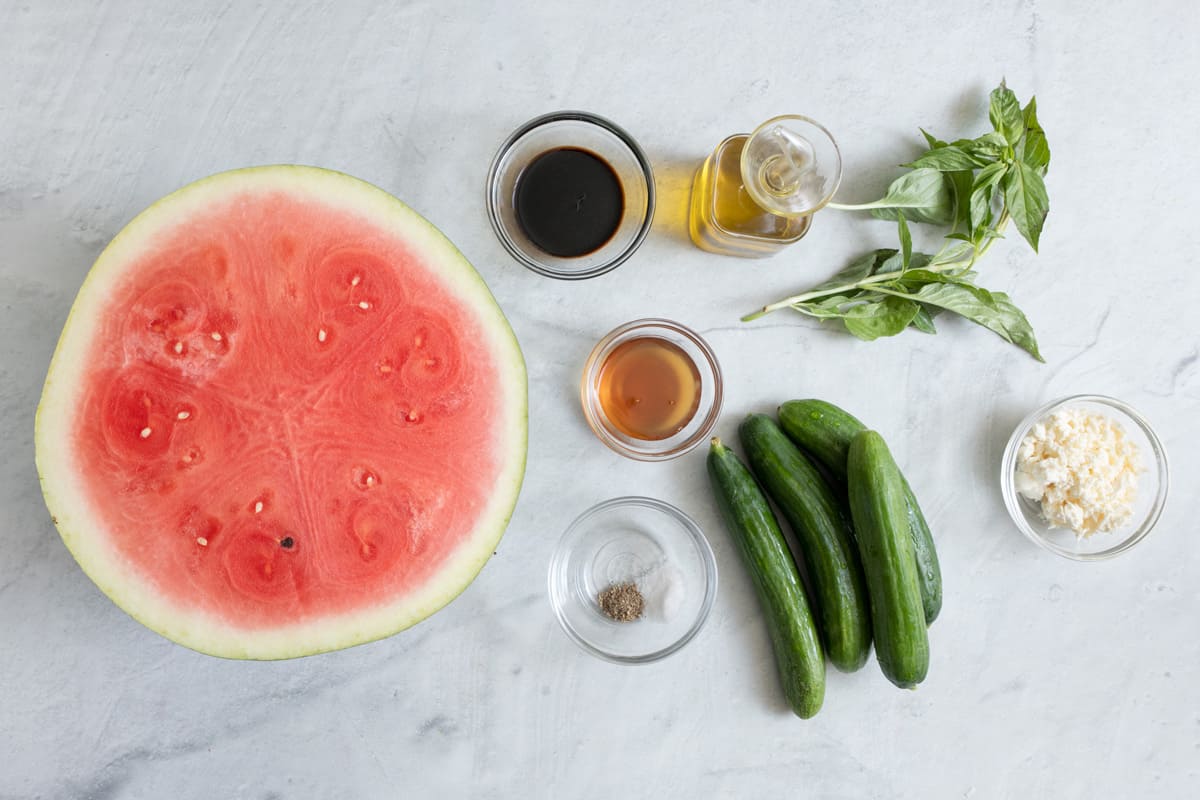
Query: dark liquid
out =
(569, 202)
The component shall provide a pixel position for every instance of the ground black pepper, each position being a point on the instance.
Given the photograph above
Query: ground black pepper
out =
(622, 602)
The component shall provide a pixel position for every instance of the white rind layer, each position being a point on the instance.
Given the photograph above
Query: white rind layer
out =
(84, 532)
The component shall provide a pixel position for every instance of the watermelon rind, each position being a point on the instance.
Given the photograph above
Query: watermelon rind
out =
(79, 524)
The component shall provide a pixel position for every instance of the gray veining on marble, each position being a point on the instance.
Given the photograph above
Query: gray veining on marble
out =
(1049, 679)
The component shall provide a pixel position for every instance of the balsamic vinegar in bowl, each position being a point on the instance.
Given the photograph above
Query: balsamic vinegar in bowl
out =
(569, 202)
(570, 195)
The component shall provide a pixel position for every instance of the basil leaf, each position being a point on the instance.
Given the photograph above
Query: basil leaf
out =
(836, 306)
(993, 311)
(835, 302)
(905, 241)
(896, 263)
(1028, 203)
(1034, 149)
(826, 308)
(1005, 113)
(923, 321)
(933, 142)
(862, 267)
(988, 147)
(960, 186)
(886, 317)
(981, 194)
(1020, 332)
(924, 195)
(946, 159)
(914, 279)
(954, 255)
(893, 264)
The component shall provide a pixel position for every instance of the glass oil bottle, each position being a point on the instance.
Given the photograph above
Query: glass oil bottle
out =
(756, 193)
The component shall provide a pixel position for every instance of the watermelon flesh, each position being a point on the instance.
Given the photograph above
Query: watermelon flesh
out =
(285, 416)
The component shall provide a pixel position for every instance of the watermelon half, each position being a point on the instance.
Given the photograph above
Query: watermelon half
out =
(285, 416)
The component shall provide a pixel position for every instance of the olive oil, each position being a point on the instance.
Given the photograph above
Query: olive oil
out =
(649, 388)
(724, 218)
(756, 193)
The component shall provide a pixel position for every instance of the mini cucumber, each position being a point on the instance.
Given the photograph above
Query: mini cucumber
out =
(881, 527)
(824, 431)
(823, 531)
(776, 580)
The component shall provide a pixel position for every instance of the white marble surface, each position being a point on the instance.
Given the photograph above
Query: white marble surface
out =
(1048, 678)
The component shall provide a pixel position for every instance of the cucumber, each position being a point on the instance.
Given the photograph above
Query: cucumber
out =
(824, 431)
(885, 544)
(826, 540)
(776, 580)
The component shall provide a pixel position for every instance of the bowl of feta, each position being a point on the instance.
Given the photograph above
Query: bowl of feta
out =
(1085, 477)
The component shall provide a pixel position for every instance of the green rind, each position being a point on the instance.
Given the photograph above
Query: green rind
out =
(823, 531)
(824, 431)
(885, 545)
(130, 591)
(776, 580)
(929, 570)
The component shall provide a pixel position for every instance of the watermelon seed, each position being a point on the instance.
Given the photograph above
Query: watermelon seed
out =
(385, 367)
(287, 543)
(356, 280)
(258, 507)
(146, 432)
(321, 335)
(183, 415)
(364, 478)
(200, 540)
(364, 305)
(216, 337)
(178, 348)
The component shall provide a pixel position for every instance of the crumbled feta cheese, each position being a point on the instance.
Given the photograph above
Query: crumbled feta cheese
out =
(1083, 470)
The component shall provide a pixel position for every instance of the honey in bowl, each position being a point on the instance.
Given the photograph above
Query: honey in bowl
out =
(648, 388)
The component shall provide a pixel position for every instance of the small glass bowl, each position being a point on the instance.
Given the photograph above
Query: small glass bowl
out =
(575, 129)
(697, 428)
(646, 542)
(1152, 484)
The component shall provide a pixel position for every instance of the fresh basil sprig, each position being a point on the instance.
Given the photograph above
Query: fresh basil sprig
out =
(973, 186)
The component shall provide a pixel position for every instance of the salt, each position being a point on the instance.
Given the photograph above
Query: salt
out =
(672, 594)
(663, 587)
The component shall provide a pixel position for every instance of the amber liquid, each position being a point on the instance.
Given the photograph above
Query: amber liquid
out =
(725, 219)
(649, 388)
